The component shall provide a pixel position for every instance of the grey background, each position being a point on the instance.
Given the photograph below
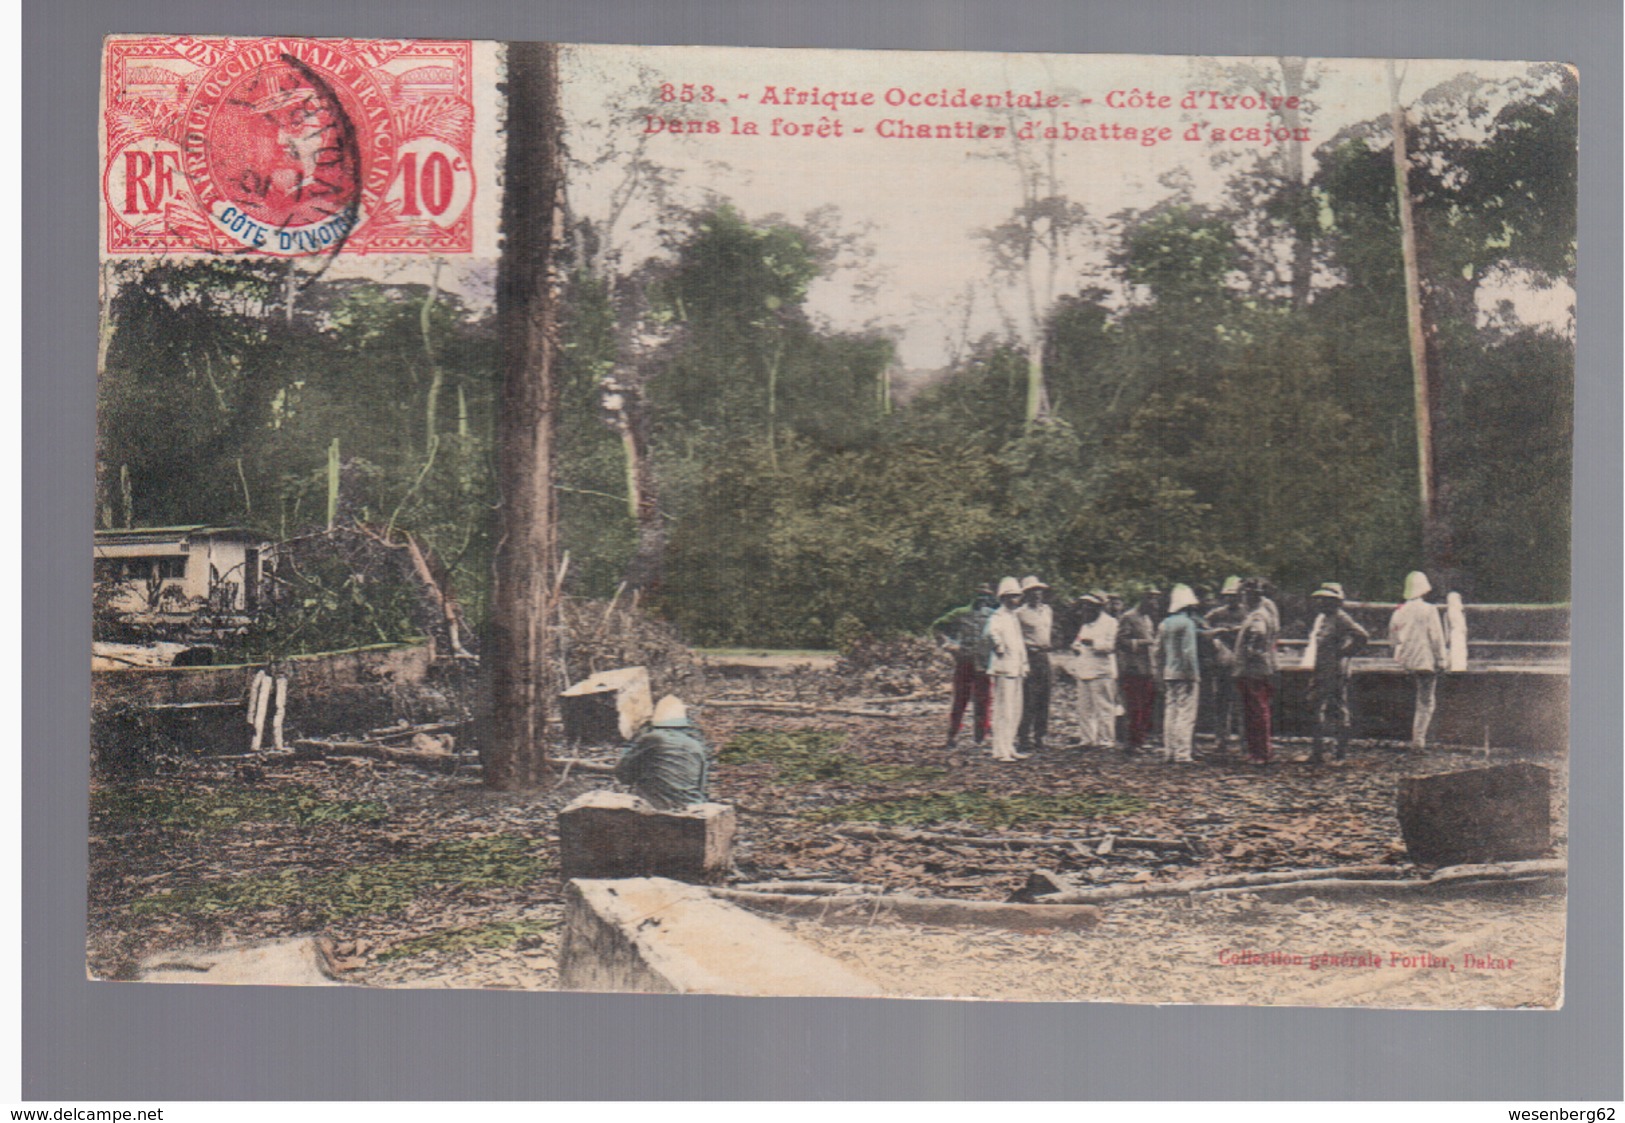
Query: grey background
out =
(130, 1042)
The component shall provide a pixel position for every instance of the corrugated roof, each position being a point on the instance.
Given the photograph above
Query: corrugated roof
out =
(140, 535)
(132, 531)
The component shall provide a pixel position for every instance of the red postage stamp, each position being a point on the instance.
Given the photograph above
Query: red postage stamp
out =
(288, 147)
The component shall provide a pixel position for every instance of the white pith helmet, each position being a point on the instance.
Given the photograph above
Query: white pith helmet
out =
(1417, 585)
(1009, 587)
(670, 711)
(1180, 599)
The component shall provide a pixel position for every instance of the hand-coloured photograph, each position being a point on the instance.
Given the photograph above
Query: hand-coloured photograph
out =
(764, 522)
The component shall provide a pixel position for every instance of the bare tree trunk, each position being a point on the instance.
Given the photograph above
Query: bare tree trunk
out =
(1292, 70)
(623, 404)
(523, 607)
(1431, 537)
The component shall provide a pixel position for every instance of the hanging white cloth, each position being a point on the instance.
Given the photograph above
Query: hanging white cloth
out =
(1455, 620)
(259, 699)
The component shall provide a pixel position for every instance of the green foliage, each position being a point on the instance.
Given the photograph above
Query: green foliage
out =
(336, 592)
(979, 807)
(497, 861)
(777, 553)
(226, 382)
(1513, 527)
(126, 808)
(134, 741)
(495, 934)
(814, 755)
(1203, 419)
(849, 632)
(1181, 253)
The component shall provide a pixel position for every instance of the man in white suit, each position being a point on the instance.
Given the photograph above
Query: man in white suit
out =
(1007, 666)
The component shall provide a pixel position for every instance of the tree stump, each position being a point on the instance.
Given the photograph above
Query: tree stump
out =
(1497, 814)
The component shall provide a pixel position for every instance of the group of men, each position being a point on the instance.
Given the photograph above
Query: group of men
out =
(1166, 646)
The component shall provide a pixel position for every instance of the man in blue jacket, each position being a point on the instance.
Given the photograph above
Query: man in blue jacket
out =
(1180, 667)
(668, 763)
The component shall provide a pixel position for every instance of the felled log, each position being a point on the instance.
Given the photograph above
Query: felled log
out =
(797, 708)
(770, 707)
(895, 834)
(607, 707)
(576, 764)
(934, 911)
(614, 835)
(434, 762)
(1238, 881)
(1549, 867)
(805, 888)
(1457, 878)
(395, 732)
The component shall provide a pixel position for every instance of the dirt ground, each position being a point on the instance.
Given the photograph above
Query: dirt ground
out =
(1230, 951)
(417, 879)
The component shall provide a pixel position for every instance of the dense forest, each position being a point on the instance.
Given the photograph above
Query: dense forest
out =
(1226, 389)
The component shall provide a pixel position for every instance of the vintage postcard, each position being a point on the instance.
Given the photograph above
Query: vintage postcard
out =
(792, 522)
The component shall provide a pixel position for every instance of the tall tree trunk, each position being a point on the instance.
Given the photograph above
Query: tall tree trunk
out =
(646, 573)
(774, 358)
(1301, 208)
(523, 605)
(1433, 544)
(622, 402)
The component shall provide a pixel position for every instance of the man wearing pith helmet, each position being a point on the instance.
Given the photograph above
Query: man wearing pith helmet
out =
(1255, 670)
(1007, 665)
(1093, 649)
(1417, 634)
(1335, 638)
(1037, 627)
(668, 764)
(1220, 629)
(1136, 671)
(1179, 665)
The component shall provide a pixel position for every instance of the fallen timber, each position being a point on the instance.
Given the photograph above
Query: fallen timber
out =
(1452, 878)
(798, 708)
(373, 750)
(804, 888)
(330, 693)
(1017, 842)
(577, 764)
(433, 761)
(943, 912)
(1334, 881)
(396, 732)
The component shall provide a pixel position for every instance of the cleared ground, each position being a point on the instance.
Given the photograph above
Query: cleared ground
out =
(429, 880)
(1236, 951)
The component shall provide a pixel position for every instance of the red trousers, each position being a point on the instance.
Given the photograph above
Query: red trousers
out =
(971, 685)
(1255, 715)
(1139, 707)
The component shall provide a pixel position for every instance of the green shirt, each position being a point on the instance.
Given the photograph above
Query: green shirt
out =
(964, 629)
(666, 765)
